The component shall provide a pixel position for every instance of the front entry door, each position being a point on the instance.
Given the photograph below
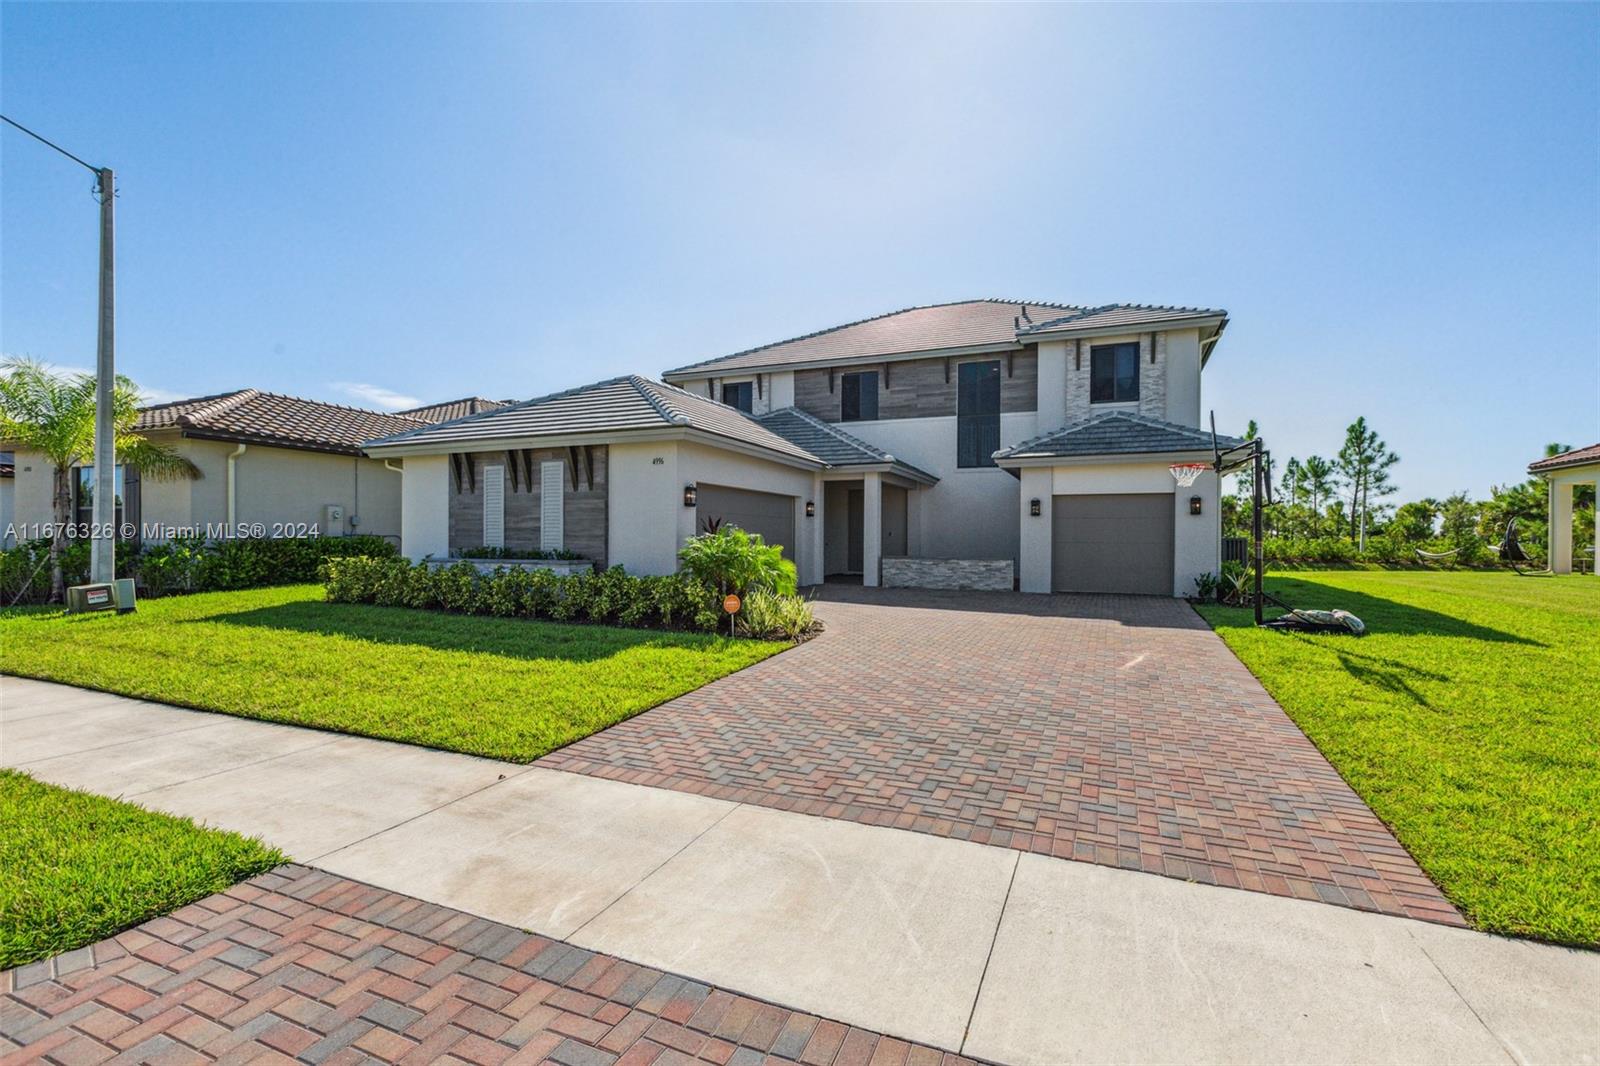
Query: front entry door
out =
(857, 515)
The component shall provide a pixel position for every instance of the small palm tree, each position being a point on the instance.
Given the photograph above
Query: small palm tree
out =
(54, 415)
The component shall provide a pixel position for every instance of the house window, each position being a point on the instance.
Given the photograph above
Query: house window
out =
(858, 400)
(977, 413)
(1114, 373)
(740, 395)
(83, 484)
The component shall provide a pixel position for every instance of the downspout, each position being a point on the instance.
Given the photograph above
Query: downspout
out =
(232, 488)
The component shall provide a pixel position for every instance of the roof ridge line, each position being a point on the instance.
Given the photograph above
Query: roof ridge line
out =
(646, 387)
(225, 402)
(832, 430)
(515, 405)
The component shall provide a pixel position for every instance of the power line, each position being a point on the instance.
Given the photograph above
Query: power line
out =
(51, 144)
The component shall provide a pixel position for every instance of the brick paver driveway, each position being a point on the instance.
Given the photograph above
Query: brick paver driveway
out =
(1109, 729)
(300, 965)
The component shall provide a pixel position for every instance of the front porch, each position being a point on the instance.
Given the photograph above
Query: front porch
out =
(868, 515)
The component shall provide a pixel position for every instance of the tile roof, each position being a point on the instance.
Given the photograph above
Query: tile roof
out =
(1116, 433)
(253, 416)
(830, 443)
(989, 323)
(616, 405)
(1118, 315)
(969, 323)
(1576, 457)
(450, 410)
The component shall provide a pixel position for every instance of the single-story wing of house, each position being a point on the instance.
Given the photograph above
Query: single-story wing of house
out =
(980, 444)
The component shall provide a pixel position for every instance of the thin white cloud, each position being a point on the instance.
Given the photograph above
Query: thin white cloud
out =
(375, 395)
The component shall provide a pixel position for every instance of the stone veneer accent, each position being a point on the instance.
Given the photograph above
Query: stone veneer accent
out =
(992, 575)
(1152, 379)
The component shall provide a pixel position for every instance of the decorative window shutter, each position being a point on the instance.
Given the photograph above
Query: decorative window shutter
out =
(494, 506)
(552, 518)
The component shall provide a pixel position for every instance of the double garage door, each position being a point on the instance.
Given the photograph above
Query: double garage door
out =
(1118, 543)
(766, 513)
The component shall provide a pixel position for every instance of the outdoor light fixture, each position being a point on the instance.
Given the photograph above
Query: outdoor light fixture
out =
(811, 508)
(1194, 505)
(688, 495)
(1033, 507)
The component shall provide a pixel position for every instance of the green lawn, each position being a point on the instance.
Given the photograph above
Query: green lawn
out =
(505, 688)
(77, 868)
(1468, 718)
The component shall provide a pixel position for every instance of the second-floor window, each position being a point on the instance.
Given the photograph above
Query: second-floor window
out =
(858, 399)
(977, 413)
(1114, 373)
(740, 395)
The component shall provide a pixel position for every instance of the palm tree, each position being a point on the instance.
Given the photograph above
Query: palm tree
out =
(53, 415)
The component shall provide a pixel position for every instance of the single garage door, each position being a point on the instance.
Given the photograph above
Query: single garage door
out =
(766, 513)
(1112, 543)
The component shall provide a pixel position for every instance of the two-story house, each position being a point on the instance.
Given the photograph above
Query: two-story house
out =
(986, 443)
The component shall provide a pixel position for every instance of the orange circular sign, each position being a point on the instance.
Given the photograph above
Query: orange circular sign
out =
(730, 603)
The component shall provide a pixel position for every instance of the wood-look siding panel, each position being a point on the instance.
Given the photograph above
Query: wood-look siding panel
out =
(917, 388)
(584, 508)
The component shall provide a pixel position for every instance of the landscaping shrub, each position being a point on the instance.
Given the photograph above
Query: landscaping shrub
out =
(486, 552)
(614, 597)
(184, 564)
(768, 614)
(732, 560)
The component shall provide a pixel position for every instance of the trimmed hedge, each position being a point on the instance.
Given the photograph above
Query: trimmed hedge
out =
(612, 597)
(185, 564)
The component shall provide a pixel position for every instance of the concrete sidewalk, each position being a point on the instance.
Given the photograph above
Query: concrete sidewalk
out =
(1007, 956)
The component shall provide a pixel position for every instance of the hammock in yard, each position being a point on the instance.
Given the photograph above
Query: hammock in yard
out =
(1433, 557)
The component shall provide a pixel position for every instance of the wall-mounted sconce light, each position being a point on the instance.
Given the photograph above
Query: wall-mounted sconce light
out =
(811, 508)
(1194, 505)
(1033, 507)
(688, 495)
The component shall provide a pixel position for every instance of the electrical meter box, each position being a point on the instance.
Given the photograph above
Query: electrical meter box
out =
(332, 519)
(82, 598)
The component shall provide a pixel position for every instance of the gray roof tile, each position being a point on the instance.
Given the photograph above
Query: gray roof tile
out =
(618, 405)
(1118, 315)
(830, 443)
(1116, 433)
(449, 410)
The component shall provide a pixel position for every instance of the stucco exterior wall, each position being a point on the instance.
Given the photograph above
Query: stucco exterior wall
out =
(647, 519)
(1196, 538)
(31, 489)
(8, 507)
(967, 515)
(425, 507)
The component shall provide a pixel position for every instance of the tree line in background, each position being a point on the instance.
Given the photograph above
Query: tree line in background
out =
(1337, 509)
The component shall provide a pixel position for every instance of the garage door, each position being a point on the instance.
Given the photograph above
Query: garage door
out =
(766, 513)
(1113, 543)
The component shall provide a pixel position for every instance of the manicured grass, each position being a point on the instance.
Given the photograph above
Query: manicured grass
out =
(505, 688)
(1469, 719)
(77, 868)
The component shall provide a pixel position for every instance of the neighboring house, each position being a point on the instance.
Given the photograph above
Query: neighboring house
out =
(8, 496)
(267, 462)
(1565, 472)
(984, 442)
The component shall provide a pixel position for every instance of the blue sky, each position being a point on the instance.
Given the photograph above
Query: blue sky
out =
(1400, 206)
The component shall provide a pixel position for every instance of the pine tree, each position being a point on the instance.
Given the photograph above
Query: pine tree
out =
(1364, 462)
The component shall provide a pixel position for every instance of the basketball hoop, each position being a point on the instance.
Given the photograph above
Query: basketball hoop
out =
(1186, 473)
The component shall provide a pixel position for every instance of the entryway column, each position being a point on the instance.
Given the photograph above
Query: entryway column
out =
(1560, 531)
(871, 528)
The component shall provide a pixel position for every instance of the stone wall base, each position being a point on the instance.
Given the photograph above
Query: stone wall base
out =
(995, 575)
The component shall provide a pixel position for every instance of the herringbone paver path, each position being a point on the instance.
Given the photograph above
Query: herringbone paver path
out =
(301, 966)
(1110, 729)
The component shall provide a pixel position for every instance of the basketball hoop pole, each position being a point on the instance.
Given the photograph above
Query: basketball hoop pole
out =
(1255, 456)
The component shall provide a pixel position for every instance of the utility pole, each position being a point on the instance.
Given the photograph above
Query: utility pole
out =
(103, 546)
(103, 543)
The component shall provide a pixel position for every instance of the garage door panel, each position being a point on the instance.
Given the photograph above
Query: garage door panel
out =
(766, 513)
(1112, 543)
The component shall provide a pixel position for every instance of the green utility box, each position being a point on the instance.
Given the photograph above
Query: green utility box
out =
(102, 597)
(124, 595)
